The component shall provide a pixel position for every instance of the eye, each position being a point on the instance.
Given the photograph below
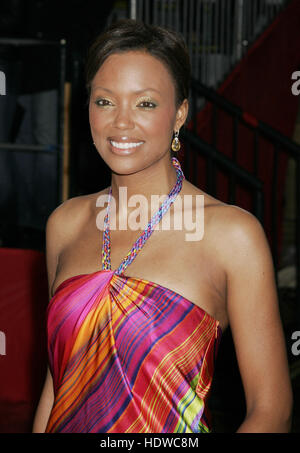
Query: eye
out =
(147, 104)
(102, 102)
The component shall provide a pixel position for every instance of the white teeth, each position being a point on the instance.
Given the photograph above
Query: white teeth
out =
(125, 145)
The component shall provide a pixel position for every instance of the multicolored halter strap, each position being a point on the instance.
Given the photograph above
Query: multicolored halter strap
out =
(106, 265)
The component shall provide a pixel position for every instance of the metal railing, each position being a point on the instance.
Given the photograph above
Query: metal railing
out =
(260, 131)
(195, 146)
(217, 32)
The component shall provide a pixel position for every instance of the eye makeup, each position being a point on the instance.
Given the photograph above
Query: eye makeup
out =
(97, 102)
(103, 102)
(147, 99)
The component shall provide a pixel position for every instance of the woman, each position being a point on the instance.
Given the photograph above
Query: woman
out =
(133, 350)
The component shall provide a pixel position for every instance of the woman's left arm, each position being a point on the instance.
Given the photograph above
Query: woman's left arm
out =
(254, 319)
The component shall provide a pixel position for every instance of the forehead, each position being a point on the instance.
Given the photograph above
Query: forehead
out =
(134, 70)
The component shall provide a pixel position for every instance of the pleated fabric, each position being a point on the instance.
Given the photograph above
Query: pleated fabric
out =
(128, 355)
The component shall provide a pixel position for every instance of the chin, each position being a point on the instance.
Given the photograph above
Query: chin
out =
(125, 165)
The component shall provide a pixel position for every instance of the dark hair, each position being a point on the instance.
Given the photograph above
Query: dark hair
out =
(128, 34)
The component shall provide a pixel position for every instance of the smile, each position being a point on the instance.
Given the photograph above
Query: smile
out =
(125, 145)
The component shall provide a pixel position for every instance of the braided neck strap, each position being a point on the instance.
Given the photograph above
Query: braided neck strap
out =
(155, 219)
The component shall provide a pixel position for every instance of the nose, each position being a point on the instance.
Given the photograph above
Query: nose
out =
(123, 118)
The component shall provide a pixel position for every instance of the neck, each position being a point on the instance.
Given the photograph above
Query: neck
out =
(157, 179)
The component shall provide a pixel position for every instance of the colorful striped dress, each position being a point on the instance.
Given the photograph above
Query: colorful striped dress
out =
(128, 355)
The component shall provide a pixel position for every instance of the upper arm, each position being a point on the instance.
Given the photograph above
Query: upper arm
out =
(51, 250)
(45, 405)
(253, 314)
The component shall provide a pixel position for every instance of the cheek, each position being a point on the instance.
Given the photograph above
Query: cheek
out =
(160, 125)
(96, 121)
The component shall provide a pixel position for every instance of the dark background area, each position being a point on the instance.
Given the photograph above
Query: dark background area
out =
(31, 70)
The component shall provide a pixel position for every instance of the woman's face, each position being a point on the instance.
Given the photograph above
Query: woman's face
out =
(132, 111)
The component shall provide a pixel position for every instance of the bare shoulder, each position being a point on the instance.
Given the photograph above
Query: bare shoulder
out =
(240, 236)
(234, 219)
(227, 222)
(66, 221)
(64, 227)
(66, 218)
(238, 224)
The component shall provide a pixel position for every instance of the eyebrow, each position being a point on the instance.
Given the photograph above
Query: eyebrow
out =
(135, 92)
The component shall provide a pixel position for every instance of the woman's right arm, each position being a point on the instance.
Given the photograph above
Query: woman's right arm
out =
(54, 242)
(44, 406)
(62, 225)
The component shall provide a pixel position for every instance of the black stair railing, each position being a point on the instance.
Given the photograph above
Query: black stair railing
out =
(237, 175)
(216, 159)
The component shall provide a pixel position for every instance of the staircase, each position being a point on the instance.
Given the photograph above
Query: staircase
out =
(218, 32)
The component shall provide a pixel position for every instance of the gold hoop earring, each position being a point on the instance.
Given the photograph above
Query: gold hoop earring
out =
(176, 143)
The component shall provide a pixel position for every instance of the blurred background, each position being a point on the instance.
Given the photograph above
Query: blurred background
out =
(240, 144)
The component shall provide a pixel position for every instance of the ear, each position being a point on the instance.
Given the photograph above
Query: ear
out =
(181, 114)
